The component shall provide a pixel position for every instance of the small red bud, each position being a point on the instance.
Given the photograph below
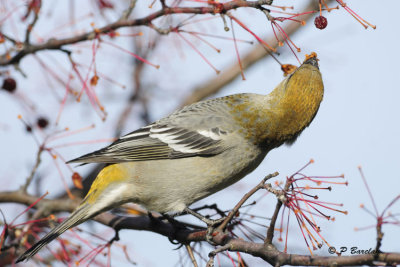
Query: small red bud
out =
(321, 22)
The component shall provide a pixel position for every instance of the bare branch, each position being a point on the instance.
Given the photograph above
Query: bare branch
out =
(191, 255)
(54, 44)
(34, 169)
(128, 11)
(137, 90)
(269, 253)
(35, 6)
(213, 253)
(233, 212)
(52, 205)
(271, 228)
(379, 235)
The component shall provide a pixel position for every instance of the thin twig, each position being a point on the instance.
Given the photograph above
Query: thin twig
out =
(379, 235)
(271, 228)
(52, 205)
(137, 91)
(128, 11)
(56, 44)
(233, 212)
(191, 255)
(163, 4)
(228, 75)
(34, 169)
(29, 29)
(212, 254)
(9, 38)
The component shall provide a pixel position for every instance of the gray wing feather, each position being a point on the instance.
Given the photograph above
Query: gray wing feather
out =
(167, 139)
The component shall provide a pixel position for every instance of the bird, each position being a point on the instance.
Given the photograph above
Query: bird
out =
(197, 150)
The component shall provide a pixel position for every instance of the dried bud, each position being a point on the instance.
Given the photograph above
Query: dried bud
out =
(288, 69)
(94, 80)
(104, 4)
(9, 84)
(42, 122)
(77, 180)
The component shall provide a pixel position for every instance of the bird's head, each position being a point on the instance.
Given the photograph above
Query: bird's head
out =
(312, 59)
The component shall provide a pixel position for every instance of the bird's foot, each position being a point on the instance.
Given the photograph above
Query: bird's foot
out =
(161, 219)
(153, 220)
(176, 225)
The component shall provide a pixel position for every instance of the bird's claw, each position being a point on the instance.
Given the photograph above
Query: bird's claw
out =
(213, 223)
(211, 226)
(209, 236)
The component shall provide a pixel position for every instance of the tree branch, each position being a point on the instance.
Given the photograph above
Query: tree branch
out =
(233, 212)
(128, 11)
(51, 205)
(54, 44)
(184, 235)
(34, 169)
(271, 228)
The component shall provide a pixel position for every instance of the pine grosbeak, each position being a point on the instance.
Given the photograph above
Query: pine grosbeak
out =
(197, 150)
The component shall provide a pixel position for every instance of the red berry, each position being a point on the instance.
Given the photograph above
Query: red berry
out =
(9, 84)
(321, 22)
(28, 128)
(42, 122)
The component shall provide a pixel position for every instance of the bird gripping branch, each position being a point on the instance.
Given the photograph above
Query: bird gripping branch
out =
(197, 150)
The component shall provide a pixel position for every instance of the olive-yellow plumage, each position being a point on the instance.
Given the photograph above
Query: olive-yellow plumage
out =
(198, 150)
(112, 174)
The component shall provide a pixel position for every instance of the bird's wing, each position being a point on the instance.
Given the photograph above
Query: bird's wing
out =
(165, 139)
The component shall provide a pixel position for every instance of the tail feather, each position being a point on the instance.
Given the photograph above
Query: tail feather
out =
(104, 194)
(78, 216)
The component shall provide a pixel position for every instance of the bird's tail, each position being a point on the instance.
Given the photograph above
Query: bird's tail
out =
(108, 190)
(80, 215)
